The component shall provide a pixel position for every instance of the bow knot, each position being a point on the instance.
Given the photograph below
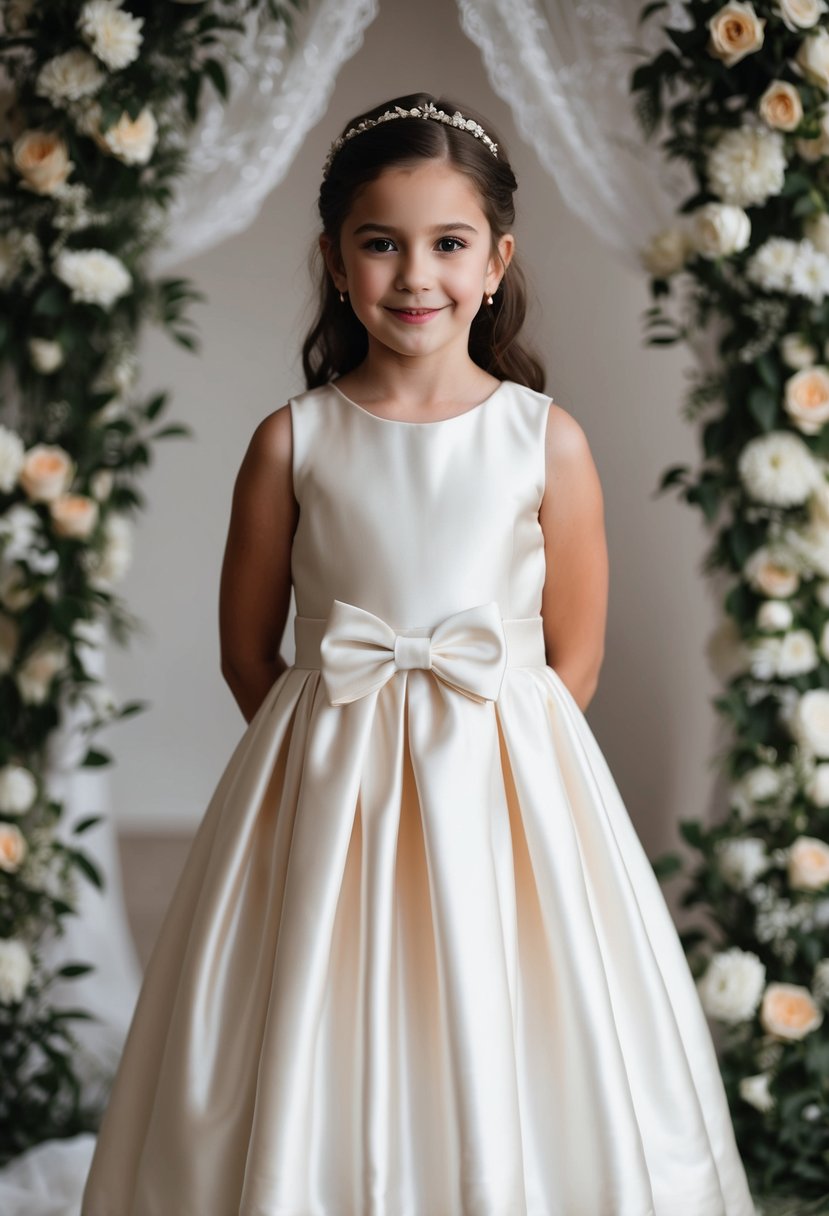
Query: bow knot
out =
(359, 652)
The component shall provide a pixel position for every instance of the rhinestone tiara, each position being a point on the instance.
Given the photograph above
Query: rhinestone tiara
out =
(427, 111)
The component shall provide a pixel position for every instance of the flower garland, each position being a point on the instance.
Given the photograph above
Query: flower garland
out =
(93, 135)
(749, 257)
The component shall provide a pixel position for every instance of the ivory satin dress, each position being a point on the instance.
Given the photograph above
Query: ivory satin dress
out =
(418, 962)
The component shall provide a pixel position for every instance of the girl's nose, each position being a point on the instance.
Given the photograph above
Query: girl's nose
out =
(412, 275)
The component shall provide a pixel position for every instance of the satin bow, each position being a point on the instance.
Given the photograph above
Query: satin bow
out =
(359, 652)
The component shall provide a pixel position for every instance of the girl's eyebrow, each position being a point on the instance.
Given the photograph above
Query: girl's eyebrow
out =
(455, 225)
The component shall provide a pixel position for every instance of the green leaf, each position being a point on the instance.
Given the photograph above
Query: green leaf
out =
(167, 432)
(95, 759)
(763, 405)
(85, 824)
(89, 868)
(216, 72)
(73, 970)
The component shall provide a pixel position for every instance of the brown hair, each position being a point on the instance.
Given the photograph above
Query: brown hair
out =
(337, 341)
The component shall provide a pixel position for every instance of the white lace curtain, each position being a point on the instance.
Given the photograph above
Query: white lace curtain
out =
(563, 67)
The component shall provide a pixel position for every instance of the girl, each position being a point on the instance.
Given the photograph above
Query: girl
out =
(418, 963)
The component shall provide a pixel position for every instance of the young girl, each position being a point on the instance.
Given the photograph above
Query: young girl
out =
(418, 963)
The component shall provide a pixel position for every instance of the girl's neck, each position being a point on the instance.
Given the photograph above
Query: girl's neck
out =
(417, 384)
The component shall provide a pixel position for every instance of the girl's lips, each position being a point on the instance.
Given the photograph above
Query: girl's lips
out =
(414, 316)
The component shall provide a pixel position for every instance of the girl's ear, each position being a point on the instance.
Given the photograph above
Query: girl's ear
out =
(333, 261)
(499, 262)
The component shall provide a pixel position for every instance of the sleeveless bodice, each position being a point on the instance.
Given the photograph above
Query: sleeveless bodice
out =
(417, 520)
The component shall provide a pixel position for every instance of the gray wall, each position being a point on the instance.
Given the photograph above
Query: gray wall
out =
(652, 713)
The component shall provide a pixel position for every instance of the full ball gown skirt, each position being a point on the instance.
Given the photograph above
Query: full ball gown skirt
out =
(418, 962)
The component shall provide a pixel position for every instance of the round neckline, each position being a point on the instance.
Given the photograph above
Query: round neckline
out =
(413, 422)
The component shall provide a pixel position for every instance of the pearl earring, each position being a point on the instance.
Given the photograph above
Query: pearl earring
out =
(489, 300)
(342, 298)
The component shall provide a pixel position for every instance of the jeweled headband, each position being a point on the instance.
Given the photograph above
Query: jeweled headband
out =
(428, 111)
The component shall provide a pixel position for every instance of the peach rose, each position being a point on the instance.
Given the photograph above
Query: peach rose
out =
(74, 515)
(788, 1011)
(781, 107)
(130, 140)
(736, 31)
(47, 472)
(806, 398)
(771, 574)
(808, 864)
(12, 847)
(42, 160)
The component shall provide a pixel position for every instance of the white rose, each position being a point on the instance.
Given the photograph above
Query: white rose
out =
(789, 1012)
(45, 356)
(808, 864)
(755, 1091)
(762, 781)
(39, 668)
(69, 76)
(810, 721)
(800, 14)
(732, 985)
(666, 252)
(798, 653)
(813, 58)
(741, 862)
(806, 398)
(74, 515)
(817, 786)
(774, 616)
(101, 483)
(747, 165)
(796, 352)
(777, 469)
(9, 641)
(735, 31)
(772, 572)
(114, 36)
(42, 160)
(93, 275)
(718, 229)
(12, 848)
(18, 789)
(47, 471)
(816, 228)
(11, 458)
(15, 970)
(780, 106)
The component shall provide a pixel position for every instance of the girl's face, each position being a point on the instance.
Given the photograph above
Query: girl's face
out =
(416, 258)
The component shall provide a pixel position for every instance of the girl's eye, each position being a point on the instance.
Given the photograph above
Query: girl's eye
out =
(454, 241)
(379, 240)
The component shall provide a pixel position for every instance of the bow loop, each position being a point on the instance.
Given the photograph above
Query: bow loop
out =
(359, 652)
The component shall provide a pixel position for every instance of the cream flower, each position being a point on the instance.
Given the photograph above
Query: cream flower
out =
(810, 721)
(39, 668)
(788, 1011)
(18, 789)
(813, 58)
(747, 165)
(74, 515)
(798, 653)
(93, 275)
(42, 160)
(755, 1091)
(47, 471)
(800, 14)
(718, 229)
(130, 140)
(773, 616)
(772, 572)
(69, 76)
(796, 352)
(666, 252)
(15, 970)
(11, 458)
(771, 266)
(735, 31)
(115, 36)
(45, 356)
(817, 785)
(808, 864)
(777, 469)
(12, 847)
(809, 275)
(780, 106)
(806, 398)
(732, 985)
(9, 641)
(741, 861)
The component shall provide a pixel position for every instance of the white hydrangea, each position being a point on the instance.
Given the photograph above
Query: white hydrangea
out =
(732, 985)
(12, 451)
(755, 1091)
(18, 789)
(742, 861)
(770, 266)
(69, 76)
(810, 273)
(93, 275)
(15, 970)
(115, 36)
(778, 469)
(747, 165)
(798, 653)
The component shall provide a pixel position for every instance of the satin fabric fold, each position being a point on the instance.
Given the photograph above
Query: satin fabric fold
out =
(418, 963)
